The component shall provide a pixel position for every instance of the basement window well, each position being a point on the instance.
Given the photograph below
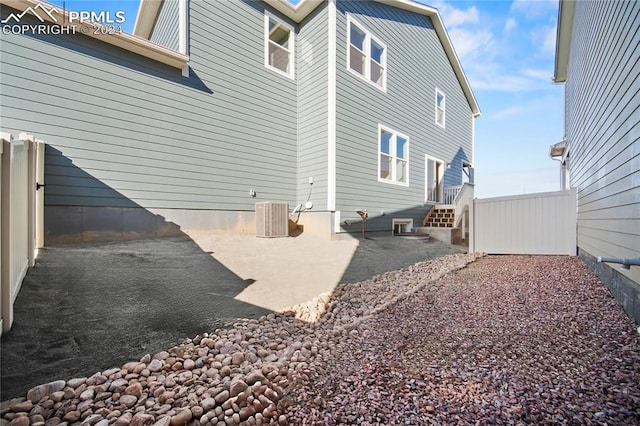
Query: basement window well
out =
(401, 226)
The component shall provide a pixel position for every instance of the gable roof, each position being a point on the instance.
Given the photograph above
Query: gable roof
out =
(148, 12)
(563, 40)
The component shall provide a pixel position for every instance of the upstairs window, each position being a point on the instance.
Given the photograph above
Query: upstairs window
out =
(393, 157)
(279, 46)
(440, 108)
(367, 56)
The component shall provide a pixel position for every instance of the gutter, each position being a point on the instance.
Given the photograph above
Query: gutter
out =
(566, 11)
(125, 41)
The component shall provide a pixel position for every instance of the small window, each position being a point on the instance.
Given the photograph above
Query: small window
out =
(440, 108)
(393, 157)
(279, 46)
(367, 56)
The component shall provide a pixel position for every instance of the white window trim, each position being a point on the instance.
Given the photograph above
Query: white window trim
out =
(444, 109)
(292, 50)
(401, 221)
(393, 155)
(367, 65)
(439, 178)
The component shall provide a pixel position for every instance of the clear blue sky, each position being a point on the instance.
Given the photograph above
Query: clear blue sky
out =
(507, 51)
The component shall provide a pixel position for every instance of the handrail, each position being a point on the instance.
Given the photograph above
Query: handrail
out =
(462, 201)
(450, 193)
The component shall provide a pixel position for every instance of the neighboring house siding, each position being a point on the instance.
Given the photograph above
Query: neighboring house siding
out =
(312, 73)
(126, 131)
(416, 65)
(603, 128)
(167, 27)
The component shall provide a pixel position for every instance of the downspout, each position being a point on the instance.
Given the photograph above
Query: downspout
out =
(625, 262)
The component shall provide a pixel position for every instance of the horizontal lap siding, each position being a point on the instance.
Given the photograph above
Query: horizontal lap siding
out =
(123, 130)
(312, 69)
(603, 127)
(166, 30)
(416, 65)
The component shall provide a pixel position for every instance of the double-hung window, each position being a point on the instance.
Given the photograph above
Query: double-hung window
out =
(393, 150)
(440, 108)
(366, 56)
(278, 46)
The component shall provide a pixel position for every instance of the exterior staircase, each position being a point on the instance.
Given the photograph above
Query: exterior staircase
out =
(449, 223)
(440, 217)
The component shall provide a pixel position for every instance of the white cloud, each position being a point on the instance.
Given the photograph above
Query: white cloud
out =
(545, 37)
(500, 81)
(509, 25)
(542, 74)
(456, 17)
(534, 9)
(470, 44)
(507, 112)
(496, 50)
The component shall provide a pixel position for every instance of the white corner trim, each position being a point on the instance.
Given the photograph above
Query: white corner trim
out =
(331, 112)
(183, 37)
(337, 223)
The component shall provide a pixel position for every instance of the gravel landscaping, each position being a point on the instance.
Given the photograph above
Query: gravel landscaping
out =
(505, 340)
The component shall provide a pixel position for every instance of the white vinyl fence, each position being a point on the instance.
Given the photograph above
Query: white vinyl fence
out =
(21, 164)
(543, 223)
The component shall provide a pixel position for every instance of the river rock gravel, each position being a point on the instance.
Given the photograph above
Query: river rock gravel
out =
(507, 340)
(495, 340)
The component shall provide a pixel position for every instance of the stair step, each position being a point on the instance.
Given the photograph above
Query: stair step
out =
(440, 217)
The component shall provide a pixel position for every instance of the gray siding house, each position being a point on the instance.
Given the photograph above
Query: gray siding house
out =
(598, 60)
(330, 106)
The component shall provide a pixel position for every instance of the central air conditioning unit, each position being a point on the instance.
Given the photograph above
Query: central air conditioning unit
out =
(272, 219)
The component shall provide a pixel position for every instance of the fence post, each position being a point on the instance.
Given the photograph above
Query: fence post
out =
(472, 226)
(31, 195)
(39, 213)
(3, 137)
(14, 224)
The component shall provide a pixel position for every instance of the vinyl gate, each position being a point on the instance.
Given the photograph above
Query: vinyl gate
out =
(21, 218)
(543, 223)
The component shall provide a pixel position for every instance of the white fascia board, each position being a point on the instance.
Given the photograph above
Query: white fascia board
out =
(146, 18)
(566, 10)
(296, 13)
(446, 44)
(183, 24)
(125, 41)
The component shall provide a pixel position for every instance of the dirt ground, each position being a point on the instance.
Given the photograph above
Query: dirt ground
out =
(88, 307)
